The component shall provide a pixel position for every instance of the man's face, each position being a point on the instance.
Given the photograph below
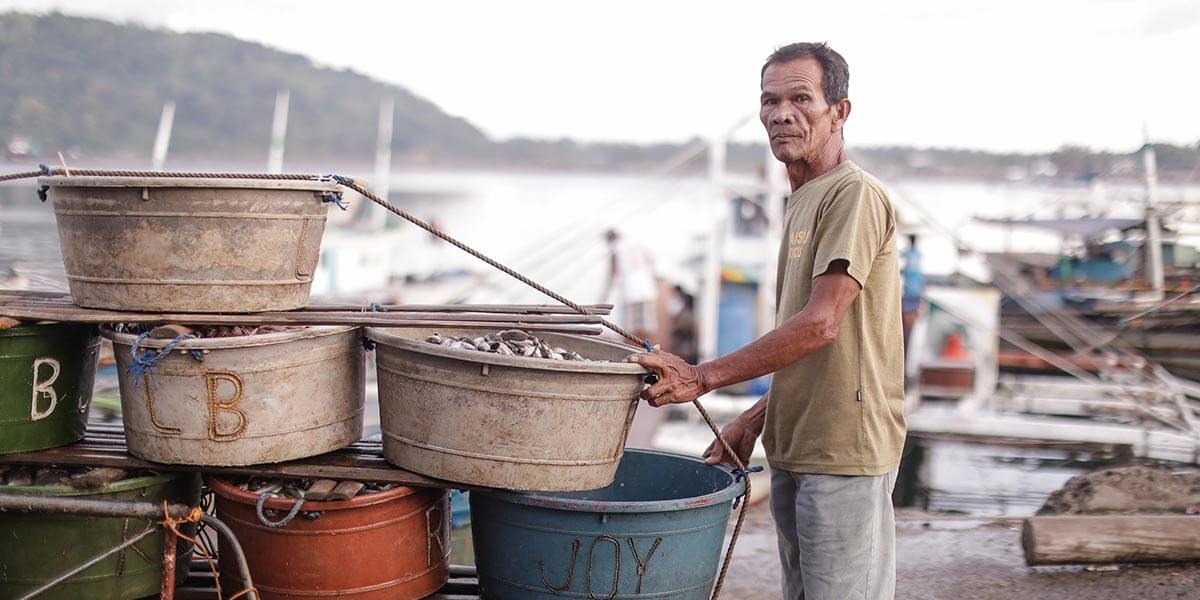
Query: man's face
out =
(793, 109)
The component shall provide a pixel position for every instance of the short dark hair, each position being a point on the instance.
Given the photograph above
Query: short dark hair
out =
(835, 75)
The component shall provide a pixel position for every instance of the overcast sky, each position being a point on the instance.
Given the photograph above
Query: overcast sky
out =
(1024, 75)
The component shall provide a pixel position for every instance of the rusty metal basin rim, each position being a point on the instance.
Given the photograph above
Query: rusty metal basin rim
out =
(189, 182)
(61, 490)
(569, 366)
(241, 341)
(500, 458)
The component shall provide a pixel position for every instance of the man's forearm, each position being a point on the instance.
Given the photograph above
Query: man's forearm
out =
(789, 343)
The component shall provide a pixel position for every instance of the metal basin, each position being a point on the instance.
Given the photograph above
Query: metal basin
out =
(47, 373)
(656, 532)
(389, 545)
(37, 548)
(189, 245)
(503, 421)
(253, 399)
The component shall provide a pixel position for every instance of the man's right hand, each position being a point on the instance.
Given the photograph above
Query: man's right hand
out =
(741, 438)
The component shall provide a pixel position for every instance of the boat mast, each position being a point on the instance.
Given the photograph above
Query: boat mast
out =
(163, 139)
(382, 182)
(710, 293)
(278, 131)
(1154, 257)
(777, 189)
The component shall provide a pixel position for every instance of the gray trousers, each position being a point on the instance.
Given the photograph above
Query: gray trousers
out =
(837, 535)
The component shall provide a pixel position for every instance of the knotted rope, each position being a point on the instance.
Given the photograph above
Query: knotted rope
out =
(142, 360)
(193, 517)
(351, 184)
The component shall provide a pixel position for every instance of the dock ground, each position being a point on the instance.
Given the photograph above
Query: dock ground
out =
(946, 557)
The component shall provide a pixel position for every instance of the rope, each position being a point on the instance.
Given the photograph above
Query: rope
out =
(262, 517)
(351, 184)
(143, 360)
(25, 175)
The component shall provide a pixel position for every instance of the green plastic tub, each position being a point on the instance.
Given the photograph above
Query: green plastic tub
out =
(46, 378)
(37, 548)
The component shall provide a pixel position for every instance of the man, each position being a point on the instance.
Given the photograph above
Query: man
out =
(832, 423)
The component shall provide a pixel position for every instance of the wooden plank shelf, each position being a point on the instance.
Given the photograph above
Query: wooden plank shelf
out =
(53, 306)
(104, 446)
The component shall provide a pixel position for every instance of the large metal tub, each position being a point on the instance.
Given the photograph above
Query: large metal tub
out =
(189, 245)
(656, 532)
(37, 548)
(389, 545)
(253, 399)
(503, 421)
(46, 378)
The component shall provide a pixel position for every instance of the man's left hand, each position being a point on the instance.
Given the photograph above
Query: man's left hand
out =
(678, 381)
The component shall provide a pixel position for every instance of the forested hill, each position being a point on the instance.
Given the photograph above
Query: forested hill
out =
(97, 88)
(94, 90)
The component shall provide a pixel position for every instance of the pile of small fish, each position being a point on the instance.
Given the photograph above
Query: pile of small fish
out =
(511, 342)
(313, 489)
(80, 478)
(168, 332)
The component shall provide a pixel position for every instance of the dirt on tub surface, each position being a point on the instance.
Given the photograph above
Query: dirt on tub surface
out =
(941, 557)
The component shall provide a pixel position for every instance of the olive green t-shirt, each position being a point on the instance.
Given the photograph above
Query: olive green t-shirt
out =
(839, 411)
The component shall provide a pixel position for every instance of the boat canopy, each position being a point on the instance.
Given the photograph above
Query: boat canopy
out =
(1086, 227)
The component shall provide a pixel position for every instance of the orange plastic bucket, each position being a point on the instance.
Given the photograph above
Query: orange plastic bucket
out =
(393, 544)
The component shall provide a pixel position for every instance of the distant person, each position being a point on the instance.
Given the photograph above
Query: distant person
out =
(833, 421)
(914, 278)
(914, 285)
(631, 286)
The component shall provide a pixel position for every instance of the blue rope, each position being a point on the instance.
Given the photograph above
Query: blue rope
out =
(43, 192)
(740, 474)
(336, 199)
(144, 359)
(367, 343)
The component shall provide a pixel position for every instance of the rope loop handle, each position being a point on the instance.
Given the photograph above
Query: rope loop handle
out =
(262, 517)
(335, 198)
(143, 359)
(744, 475)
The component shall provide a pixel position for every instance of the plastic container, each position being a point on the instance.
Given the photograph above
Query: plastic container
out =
(37, 547)
(656, 532)
(189, 245)
(252, 399)
(504, 421)
(389, 545)
(46, 378)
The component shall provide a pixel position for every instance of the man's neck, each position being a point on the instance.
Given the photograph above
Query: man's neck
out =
(804, 171)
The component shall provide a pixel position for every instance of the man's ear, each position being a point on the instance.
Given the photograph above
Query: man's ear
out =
(841, 113)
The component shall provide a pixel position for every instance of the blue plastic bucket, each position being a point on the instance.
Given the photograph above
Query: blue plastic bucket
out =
(656, 532)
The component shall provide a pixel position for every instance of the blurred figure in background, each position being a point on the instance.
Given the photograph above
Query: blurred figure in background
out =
(631, 287)
(633, 290)
(913, 285)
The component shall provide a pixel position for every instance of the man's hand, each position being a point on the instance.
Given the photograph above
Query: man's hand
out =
(678, 382)
(741, 438)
